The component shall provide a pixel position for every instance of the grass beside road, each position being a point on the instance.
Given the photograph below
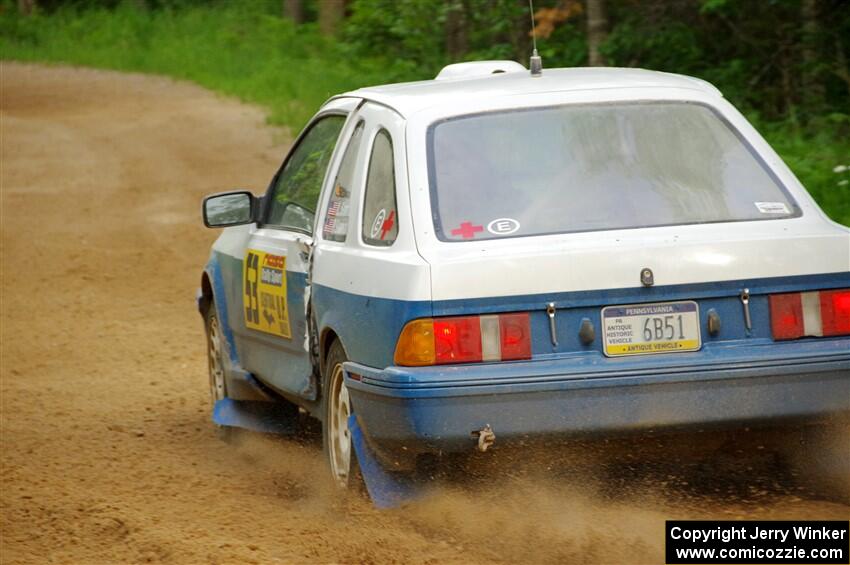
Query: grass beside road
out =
(235, 48)
(245, 49)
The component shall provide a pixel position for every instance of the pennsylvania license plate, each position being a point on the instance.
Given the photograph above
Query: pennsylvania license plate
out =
(643, 329)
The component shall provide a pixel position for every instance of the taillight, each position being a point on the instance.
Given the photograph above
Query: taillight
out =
(817, 313)
(835, 311)
(416, 344)
(786, 316)
(515, 336)
(464, 339)
(457, 340)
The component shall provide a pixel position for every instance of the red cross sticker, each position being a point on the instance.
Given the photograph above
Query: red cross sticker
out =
(388, 224)
(467, 230)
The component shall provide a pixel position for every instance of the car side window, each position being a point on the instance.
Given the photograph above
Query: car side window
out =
(380, 218)
(336, 216)
(299, 182)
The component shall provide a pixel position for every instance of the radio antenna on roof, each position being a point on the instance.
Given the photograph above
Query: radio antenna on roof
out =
(535, 63)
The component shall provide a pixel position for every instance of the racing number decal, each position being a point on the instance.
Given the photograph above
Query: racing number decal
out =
(264, 293)
(252, 304)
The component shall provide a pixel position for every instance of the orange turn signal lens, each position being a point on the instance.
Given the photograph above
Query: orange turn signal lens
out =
(415, 346)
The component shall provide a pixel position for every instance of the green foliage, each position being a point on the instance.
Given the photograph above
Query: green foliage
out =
(410, 37)
(753, 52)
(301, 180)
(409, 31)
(814, 158)
(241, 48)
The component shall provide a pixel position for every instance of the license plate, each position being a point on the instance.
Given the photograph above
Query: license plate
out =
(644, 329)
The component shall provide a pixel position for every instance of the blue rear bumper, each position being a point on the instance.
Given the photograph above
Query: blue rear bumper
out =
(412, 410)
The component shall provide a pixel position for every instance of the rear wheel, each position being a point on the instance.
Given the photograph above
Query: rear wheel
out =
(336, 435)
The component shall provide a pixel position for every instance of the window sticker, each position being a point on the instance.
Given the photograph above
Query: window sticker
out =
(772, 207)
(379, 221)
(387, 226)
(264, 293)
(467, 230)
(336, 218)
(383, 224)
(503, 226)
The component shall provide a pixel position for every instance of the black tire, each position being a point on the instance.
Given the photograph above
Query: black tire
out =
(215, 364)
(336, 439)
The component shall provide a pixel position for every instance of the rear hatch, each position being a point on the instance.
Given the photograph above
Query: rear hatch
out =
(633, 233)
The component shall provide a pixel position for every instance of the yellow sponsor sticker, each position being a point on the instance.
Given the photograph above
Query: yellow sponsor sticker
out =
(264, 293)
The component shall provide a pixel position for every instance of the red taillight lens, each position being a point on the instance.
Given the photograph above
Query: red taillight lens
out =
(814, 313)
(835, 312)
(465, 339)
(457, 340)
(786, 316)
(515, 336)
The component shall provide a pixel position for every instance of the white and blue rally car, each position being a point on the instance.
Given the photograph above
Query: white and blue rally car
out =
(495, 256)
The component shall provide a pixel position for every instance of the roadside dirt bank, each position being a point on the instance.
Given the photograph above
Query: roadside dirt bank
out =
(108, 455)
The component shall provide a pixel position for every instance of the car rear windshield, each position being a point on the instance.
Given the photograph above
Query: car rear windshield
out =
(594, 167)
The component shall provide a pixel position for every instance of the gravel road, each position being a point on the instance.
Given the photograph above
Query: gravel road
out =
(108, 455)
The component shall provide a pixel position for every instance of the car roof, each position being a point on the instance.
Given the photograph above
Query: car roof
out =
(410, 97)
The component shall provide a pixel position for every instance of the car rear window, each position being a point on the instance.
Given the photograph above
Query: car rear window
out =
(594, 167)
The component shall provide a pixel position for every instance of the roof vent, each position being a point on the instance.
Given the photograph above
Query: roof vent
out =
(477, 69)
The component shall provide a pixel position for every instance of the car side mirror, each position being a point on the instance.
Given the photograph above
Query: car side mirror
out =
(230, 209)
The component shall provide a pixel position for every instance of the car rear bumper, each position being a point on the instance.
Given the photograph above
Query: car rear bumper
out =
(409, 411)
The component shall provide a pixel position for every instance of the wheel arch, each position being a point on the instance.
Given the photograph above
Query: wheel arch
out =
(327, 337)
(205, 294)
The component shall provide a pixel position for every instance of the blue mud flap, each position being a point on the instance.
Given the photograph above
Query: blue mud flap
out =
(385, 489)
(257, 416)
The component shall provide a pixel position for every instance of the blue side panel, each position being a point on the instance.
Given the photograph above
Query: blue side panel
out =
(369, 327)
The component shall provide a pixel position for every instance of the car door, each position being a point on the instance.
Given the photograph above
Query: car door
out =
(275, 288)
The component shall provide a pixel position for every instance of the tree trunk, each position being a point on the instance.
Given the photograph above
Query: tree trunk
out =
(294, 10)
(331, 13)
(842, 70)
(457, 43)
(521, 36)
(813, 88)
(788, 89)
(27, 7)
(597, 31)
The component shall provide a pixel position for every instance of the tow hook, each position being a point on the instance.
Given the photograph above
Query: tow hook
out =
(486, 437)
